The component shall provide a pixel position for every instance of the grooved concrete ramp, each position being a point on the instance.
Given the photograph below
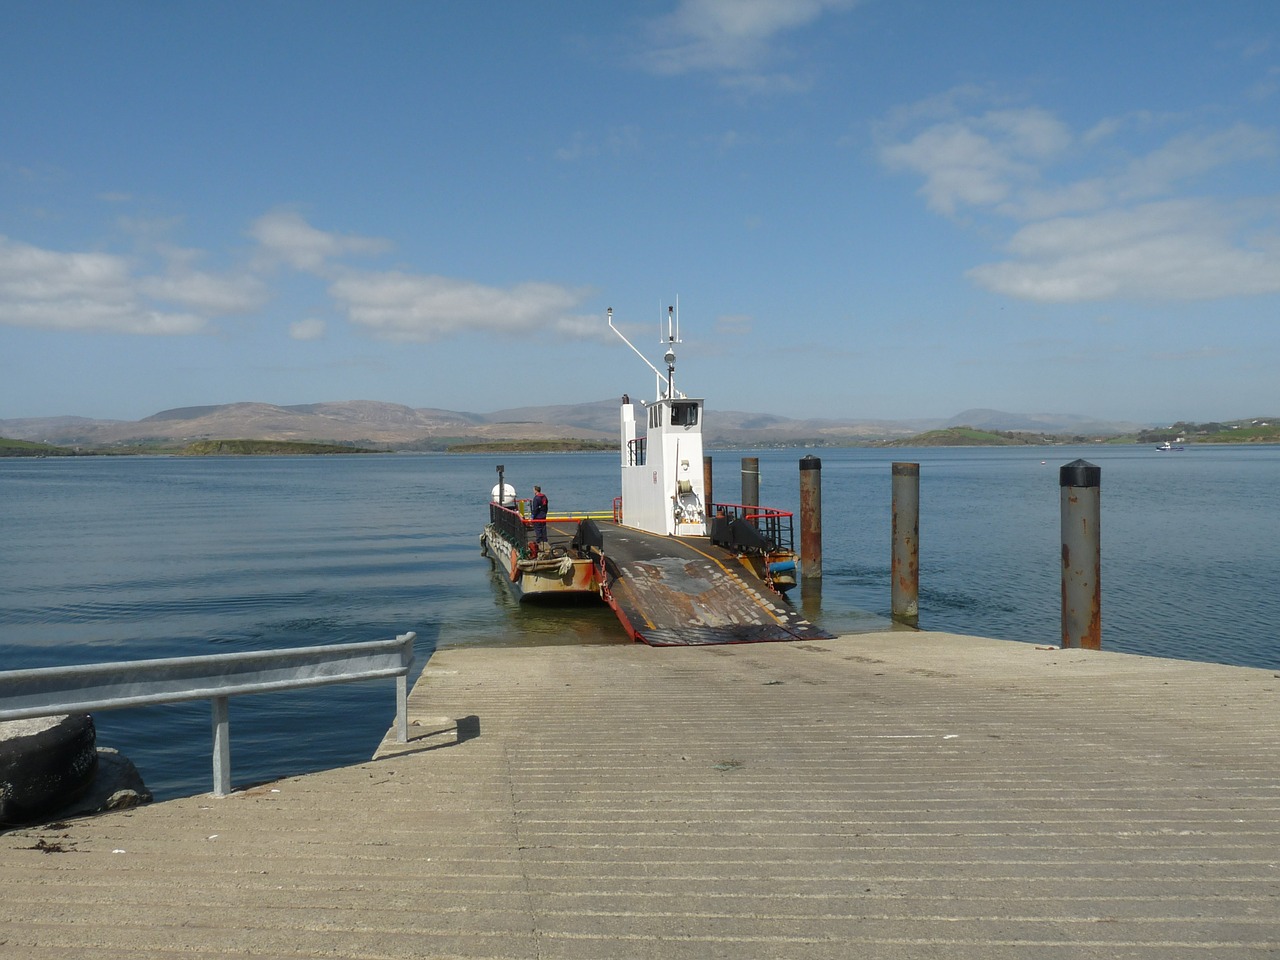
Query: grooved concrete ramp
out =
(891, 795)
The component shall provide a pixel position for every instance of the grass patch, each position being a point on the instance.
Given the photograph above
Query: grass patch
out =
(533, 446)
(265, 448)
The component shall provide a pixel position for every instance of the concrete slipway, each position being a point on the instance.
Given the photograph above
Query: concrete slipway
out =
(884, 795)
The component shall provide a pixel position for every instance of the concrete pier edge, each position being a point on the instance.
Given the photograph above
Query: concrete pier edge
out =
(894, 794)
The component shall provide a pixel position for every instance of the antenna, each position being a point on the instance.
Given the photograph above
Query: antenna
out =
(656, 371)
(669, 357)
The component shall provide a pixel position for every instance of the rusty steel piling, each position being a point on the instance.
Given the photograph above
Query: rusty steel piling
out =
(810, 518)
(905, 564)
(1080, 481)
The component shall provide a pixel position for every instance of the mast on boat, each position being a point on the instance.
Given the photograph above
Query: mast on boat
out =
(662, 483)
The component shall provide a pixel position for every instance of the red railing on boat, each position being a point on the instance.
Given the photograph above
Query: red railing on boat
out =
(519, 529)
(776, 525)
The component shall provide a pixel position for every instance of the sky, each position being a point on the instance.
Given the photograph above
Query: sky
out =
(884, 209)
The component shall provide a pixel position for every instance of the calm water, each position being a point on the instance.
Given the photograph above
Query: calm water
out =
(130, 558)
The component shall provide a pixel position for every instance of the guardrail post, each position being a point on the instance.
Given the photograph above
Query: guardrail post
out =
(402, 709)
(905, 566)
(810, 517)
(402, 686)
(1080, 482)
(751, 481)
(221, 747)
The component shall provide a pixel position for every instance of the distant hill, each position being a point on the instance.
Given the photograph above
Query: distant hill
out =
(370, 423)
(1048, 423)
(966, 437)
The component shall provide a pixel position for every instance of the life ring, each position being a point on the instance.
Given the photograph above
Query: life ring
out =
(45, 764)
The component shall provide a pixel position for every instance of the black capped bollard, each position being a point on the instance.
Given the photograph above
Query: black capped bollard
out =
(905, 565)
(751, 481)
(1081, 555)
(810, 518)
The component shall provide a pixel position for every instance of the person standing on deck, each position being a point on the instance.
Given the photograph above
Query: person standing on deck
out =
(540, 505)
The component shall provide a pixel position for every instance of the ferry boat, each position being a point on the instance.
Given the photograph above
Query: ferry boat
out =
(663, 537)
(556, 567)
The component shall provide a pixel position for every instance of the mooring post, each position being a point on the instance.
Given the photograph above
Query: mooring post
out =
(905, 566)
(811, 598)
(810, 517)
(1080, 481)
(751, 481)
(709, 498)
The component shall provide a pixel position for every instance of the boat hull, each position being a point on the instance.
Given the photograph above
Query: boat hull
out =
(548, 577)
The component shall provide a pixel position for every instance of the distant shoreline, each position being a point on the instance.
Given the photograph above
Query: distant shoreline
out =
(949, 437)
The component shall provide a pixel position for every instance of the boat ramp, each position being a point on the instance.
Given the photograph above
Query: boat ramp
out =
(674, 591)
(888, 795)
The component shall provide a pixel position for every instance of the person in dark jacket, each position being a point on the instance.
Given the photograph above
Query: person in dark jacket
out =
(540, 505)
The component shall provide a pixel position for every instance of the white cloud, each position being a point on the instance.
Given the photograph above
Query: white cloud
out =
(979, 161)
(732, 38)
(1196, 353)
(79, 291)
(410, 307)
(1190, 154)
(734, 325)
(1174, 250)
(312, 328)
(111, 293)
(206, 292)
(1094, 222)
(162, 291)
(286, 236)
(617, 142)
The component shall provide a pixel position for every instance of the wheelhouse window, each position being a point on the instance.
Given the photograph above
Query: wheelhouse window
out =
(684, 414)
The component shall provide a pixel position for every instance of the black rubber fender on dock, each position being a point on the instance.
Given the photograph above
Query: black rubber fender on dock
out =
(45, 763)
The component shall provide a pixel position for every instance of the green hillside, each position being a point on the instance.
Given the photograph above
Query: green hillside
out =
(29, 448)
(968, 437)
(533, 446)
(264, 448)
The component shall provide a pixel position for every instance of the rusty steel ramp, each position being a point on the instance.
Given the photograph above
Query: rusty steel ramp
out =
(684, 591)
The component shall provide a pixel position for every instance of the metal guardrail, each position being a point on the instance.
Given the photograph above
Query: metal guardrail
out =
(54, 691)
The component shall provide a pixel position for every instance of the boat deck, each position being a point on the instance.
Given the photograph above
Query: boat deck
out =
(685, 591)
